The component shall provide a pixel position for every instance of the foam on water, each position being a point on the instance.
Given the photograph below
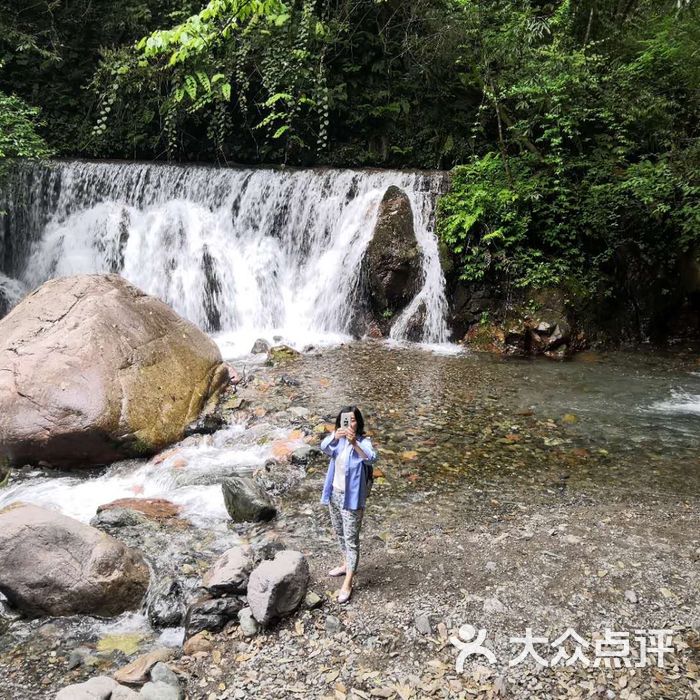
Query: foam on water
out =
(682, 403)
(190, 477)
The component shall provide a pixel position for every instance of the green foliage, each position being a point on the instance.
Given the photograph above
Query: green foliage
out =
(574, 124)
(18, 135)
(18, 131)
(213, 67)
(588, 133)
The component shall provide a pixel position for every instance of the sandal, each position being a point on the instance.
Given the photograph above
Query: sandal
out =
(338, 571)
(344, 596)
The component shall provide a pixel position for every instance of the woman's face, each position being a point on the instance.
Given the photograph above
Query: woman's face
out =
(353, 422)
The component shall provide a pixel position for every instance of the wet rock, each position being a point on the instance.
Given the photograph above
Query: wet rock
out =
(166, 605)
(374, 331)
(142, 376)
(100, 688)
(160, 691)
(416, 324)
(486, 337)
(206, 424)
(277, 587)
(248, 624)
(392, 261)
(229, 573)
(51, 564)
(138, 671)
(246, 500)
(261, 345)
(559, 354)
(77, 657)
(210, 614)
(198, 643)
(281, 354)
(303, 454)
(115, 518)
(156, 509)
(516, 338)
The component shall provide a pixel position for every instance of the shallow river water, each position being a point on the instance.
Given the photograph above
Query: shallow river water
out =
(616, 426)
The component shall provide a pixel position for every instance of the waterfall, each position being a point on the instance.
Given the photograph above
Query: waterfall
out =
(244, 252)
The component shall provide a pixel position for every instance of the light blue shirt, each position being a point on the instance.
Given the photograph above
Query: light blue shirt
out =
(355, 484)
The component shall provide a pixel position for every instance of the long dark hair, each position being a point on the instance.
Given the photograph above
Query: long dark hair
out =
(358, 417)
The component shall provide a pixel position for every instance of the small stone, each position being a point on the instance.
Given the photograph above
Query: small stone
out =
(332, 625)
(299, 411)
(490, 566)
(248, 623)
(302, 454)
(261, 345)
(312, 600)
(422, 622)
(162, 673)
(493, 605)
(77, 657)
(200, 642)
(631, 596)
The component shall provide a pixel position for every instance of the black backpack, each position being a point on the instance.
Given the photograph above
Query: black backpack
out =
(369, 476)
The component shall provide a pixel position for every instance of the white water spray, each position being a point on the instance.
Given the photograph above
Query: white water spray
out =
(249, 253)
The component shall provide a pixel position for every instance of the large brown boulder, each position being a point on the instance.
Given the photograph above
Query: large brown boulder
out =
(93, 370)
(392, 264)
(51, 564)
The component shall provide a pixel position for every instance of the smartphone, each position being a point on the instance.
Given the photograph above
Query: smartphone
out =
(345, 419)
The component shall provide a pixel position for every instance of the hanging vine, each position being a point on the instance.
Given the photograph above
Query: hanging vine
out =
(231, 52)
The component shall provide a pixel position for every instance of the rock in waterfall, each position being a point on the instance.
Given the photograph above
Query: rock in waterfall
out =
(392, 264)
(93, 370)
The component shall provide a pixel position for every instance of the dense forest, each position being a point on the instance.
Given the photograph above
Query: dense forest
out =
(571, 126)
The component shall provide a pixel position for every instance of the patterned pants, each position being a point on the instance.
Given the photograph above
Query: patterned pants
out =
(346, 524)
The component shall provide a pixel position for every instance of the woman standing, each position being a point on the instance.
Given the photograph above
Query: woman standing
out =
(345, 490)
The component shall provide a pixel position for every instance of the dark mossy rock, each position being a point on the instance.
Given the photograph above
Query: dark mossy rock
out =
(246, 500)
(392, 265)
(165, 605)
(212, 614)
(281, 354)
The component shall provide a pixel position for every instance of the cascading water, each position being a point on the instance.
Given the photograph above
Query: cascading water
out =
(245, 252)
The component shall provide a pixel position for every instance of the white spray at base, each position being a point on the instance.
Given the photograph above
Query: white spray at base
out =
(247, 253)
